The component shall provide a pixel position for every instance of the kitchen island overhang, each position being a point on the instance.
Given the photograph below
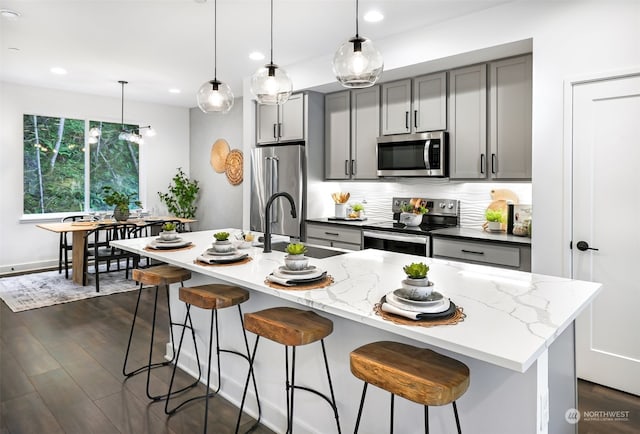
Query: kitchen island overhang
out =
(513, 317)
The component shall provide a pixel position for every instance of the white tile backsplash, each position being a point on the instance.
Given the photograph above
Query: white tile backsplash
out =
(474, 197)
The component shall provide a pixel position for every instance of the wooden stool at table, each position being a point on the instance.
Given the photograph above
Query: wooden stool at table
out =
(159, 276)
(211, 297)
(417, 374)
(290, 327)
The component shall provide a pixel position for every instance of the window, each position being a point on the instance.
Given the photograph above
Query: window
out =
(59, 176)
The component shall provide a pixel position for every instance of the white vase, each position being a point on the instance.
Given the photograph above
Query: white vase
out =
(417, 289)
(296, 262)
(494, 226)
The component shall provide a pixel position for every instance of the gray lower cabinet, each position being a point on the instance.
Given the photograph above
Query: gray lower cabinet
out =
(517, 257)
(352, 126)
(334, 235)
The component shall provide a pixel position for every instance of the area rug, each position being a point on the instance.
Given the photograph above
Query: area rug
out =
(32, 291)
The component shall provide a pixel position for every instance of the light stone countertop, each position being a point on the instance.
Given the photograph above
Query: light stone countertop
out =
(480, 235)
(512, 316)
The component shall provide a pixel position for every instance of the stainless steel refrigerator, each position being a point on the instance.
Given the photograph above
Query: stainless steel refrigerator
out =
(274, 169)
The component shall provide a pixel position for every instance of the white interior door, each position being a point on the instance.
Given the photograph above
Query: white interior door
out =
(606, 212)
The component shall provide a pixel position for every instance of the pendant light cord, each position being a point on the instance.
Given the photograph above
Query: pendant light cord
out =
(272, 32)
(215, 40)
(122, 82)
(357, 19)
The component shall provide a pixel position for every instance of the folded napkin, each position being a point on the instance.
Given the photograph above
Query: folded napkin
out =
(206, 259)
(219, 260)
(292, 280)
(388, 307)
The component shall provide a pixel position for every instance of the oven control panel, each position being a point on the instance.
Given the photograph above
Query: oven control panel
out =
(447, 207)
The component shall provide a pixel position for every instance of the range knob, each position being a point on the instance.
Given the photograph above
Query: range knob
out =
(450, 206)
(442, 205)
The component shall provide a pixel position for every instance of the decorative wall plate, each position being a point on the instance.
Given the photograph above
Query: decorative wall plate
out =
(233, 167)
(219, 153)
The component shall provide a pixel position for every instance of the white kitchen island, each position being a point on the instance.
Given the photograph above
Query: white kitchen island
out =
(517, 340)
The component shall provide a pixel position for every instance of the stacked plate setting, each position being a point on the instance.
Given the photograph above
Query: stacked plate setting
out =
(287, 277)
(175, 243)
(211, 256)
(434, 305)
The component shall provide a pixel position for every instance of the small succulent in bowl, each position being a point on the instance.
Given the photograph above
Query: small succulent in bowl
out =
(168, 232)
(296, 249)
(416, 270)
(295, 260)
(169, 226)
(221, 236)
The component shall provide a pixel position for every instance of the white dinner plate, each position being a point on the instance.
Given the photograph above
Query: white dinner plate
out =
(312, 275)
(174, 241)
(160, 246)
(212, 252)
(435, 307)
(284, 270)
(227, 258)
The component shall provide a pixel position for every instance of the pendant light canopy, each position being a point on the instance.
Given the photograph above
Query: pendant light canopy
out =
(215, 96)
(134, 135)
(357, 63)
(271, 84)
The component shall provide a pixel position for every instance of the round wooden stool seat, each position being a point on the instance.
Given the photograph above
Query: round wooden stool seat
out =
(288, 326)
(213, 296)
(417, 374)
(161, 275)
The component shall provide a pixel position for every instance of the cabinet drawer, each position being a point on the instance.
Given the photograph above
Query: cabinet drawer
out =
(489, 253)
(328, 243)
(334, 233)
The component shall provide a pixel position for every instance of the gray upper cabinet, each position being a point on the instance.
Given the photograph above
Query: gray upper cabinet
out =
(352, 126)
(430, 103)
(415, 105)
(468, 122)
(280, 123)
(396, 107)
(510, 85)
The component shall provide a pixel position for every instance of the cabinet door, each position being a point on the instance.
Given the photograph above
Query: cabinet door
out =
(396, 106)
(365, 128)
(430, 103)
(510, 118)
(337, 126)
(468, 122)
(291, 120)
(267, 122)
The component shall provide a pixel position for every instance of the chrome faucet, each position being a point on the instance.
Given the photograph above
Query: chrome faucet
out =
(267, 223)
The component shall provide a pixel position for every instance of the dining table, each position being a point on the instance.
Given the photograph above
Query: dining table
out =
(79, 230)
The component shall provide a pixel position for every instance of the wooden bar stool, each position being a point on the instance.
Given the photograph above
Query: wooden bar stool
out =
(211, 297)
(290, 327)
(417, 374)
(160, 276)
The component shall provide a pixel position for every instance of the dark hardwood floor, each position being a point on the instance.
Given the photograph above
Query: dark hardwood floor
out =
(61, 372)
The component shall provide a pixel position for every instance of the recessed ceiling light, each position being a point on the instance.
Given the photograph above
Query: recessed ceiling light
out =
(57, 70)
(174, 90)
(9, 14)
(373, 16)
(256, 55)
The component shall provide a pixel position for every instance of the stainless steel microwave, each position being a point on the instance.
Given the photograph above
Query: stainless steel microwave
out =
(423, 154)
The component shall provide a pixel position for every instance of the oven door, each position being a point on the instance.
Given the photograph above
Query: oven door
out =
(397, 242)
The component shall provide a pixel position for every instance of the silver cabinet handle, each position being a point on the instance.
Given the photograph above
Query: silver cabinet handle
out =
(335, 234)
(280, 129)
(346, 167)
(274, 132)
(482, 163)
(494, 164)
(353, 167)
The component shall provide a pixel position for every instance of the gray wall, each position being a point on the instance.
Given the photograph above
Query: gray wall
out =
(220, 203)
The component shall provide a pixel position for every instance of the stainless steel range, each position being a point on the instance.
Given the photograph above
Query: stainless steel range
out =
(416, 240)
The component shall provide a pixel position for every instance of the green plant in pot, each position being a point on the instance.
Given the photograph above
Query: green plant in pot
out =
(495, 218)
(295, 260)
(411, 215)
(417, 285)
(357, 210)
(182, 196)
(120, 201)
(222, 244)
(168, 231)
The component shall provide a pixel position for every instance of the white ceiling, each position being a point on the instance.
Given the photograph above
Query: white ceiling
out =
(160, 44)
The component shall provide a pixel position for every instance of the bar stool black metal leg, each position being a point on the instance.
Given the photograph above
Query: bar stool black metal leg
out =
(391, 423)
(426, 419)
(246, 384)
(207, 394)
(364, 393)
(293, 386)
(153, 332)
(133, 324)
(455, 412)
(253, 376)
(333, 397)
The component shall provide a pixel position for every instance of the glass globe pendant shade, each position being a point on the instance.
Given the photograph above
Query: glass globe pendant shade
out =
(271, 85)
(214, 96)
(357, 63)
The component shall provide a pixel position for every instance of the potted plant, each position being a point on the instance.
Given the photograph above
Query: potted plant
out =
(411, 215)
(296, 260)
(222, 243)
(495, 218)
(357, 210)
(120, 200)
(182, 195)
(417, 285)
(168, 231)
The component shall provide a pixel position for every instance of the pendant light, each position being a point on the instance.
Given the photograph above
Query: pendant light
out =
(271, 84)
(357, 63)
(215, 96)
(134, 135)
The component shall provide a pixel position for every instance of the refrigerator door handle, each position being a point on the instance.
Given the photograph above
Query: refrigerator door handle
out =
(275, 216)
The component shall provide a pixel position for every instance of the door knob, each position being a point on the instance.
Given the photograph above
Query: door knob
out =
(583, 246)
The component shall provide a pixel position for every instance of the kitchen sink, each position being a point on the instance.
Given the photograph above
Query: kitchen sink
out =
(312, 251)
